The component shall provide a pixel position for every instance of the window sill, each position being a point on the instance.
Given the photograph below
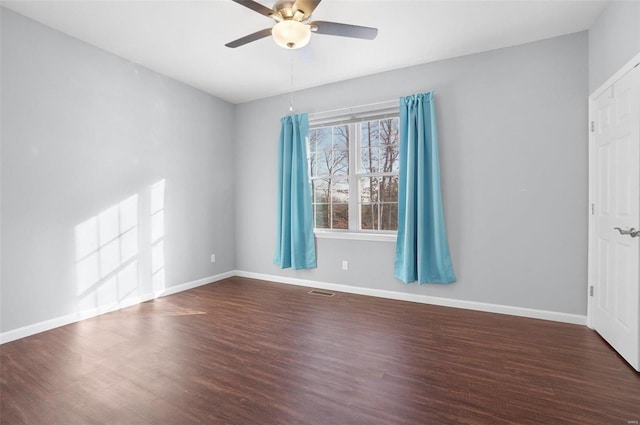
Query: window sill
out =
(356, 236)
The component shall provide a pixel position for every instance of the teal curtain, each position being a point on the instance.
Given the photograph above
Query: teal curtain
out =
(295, 243)
(422, 249)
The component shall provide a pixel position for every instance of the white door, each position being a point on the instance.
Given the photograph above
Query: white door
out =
(614, 249)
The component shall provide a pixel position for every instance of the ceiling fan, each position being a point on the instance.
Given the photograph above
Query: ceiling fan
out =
(292, 31)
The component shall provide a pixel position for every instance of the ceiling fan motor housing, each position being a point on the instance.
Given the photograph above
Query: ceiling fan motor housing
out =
(288, 10)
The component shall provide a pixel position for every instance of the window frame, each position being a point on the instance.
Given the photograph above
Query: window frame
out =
(353, 117)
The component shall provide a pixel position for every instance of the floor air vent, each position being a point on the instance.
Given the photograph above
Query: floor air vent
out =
(323, 293)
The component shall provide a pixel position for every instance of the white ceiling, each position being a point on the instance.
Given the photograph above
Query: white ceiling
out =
(185, 39)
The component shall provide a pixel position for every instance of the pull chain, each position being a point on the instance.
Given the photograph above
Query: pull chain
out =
(291, 92)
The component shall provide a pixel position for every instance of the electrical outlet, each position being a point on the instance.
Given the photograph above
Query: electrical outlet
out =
(213, 258)
(345, 265)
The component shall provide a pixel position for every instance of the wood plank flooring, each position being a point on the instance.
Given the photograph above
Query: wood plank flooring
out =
(244, 351)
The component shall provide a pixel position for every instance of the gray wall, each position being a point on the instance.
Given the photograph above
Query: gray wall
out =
(614, 38)
(513, 142)
(83, 130)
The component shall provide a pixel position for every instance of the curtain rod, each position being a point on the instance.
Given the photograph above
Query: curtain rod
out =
(313, 115)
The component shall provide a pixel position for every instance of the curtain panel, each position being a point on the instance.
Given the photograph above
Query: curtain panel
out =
(422, 249)
(295, 242)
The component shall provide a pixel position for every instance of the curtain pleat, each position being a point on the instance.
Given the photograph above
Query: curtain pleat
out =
(422, 249)
(295, 243)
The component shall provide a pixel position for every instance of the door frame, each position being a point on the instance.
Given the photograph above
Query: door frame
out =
(635, 61)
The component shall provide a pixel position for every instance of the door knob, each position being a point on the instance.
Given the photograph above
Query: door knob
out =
(631, 232)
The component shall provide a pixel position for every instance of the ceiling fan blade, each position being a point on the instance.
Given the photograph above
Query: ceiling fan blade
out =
(256, 7)
(307, 6)
(343, 30)
(249, 38)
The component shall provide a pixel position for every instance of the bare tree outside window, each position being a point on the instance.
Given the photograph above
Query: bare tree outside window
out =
(329, 165)
(379, 179)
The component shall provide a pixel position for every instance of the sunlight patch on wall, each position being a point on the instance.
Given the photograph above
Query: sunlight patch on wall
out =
(157, 236)
(119, 253)
(107, 256)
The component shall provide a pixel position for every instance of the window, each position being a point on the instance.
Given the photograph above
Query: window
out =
(354, 173)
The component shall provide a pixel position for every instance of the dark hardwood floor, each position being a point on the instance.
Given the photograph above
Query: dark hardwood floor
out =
(243, 351)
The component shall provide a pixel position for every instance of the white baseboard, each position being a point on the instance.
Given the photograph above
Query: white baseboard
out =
(194, 284)
(46, 325)
(555, 316)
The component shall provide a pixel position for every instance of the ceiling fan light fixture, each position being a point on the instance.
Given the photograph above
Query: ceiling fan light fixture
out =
(292, 29)
(291, 34)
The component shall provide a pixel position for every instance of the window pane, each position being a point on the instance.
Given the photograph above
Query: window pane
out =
(340, 192)
(389, 158)
(321, 216)
(320, 190)
(340, 216)
(323, 162)
(389, 145)
(369, 158)
(323, 138)
(369, 131)
(368, 189)
(313, 164)
(313, 140)
(389, 189)
(369, 151)
(389, 216)
(369, 217)
(340, 150)
(324, 155)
